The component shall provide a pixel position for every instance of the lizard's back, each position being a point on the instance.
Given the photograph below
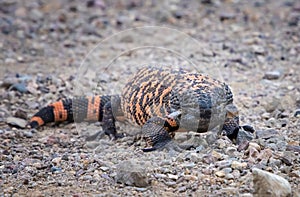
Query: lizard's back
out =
(158, 92)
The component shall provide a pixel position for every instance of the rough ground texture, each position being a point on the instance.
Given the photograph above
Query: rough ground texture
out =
(253, 45)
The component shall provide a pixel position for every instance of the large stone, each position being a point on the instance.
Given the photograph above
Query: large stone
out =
(268, 184)
(131, 173)
(17, 122)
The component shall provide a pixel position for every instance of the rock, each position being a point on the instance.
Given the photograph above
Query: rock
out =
(20, 87)
(266, 115)
(220, 173)
(231, 151)
(227, 16)
(173, 176)
(244, 135)
(194, 142)
(21, 12)
(272, 75)
(32, 104)
(56, 160)
(141, 189)
(238, 165)
(160, 176)
(264, 156)
(55, 169)
(246, 195)
(227, 170)
(293, 148)
(131, 173)
(272, 104)
(293, 21)
(259, 50)
(229, 176)
(266, 134)
(18, 122)
(223, 164)
(268, 184)
(20, 113)
(243, 145)
(211, 138)
(10, 61)
(222, 143)
(178, 14)
(188, 165)
(207, 2)
(35, 14)
(182, 189)
(216, 155)
(122, 20)
(86, 178)
(126, 39)
(171, 183)
(297, 113)
(104, 168)
(236, 174)
(255, 145)
(28, 134)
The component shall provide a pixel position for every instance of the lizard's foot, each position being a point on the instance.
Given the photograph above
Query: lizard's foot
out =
(157, 134)
(238, 134)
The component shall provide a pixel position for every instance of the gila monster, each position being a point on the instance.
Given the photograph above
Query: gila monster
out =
(157, 99)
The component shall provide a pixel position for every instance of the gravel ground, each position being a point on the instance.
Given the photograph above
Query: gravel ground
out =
(252, 45)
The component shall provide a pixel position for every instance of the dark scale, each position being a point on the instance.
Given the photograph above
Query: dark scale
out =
(80, 108)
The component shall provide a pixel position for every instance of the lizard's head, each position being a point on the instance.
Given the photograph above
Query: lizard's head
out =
(231, 124)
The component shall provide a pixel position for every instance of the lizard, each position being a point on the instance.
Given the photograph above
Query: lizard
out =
(161, 101)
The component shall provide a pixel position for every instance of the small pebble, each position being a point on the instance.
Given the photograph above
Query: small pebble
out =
(188, 165)
(104, 168)
(238, 165)
(56, 160)
(172, 176)
(28, 134)
(20, 87)
(55, 169)
(182, 189)
(220, 173)
(267, 133)
(272, 75)
(297, 113)
(163, 176)
(141, 189)
(229, 176)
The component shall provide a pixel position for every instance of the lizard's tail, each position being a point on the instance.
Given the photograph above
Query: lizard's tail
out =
(77, 109)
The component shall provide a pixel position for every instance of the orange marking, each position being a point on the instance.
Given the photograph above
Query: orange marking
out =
(93, 108)
(60, 114)
(39, 120)
(163, 94)
(172, 122)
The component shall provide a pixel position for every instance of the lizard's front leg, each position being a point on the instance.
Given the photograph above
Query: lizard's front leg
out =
(159, 132)
(108, 122)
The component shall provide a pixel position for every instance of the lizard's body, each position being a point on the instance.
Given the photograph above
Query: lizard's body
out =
(159, 100)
